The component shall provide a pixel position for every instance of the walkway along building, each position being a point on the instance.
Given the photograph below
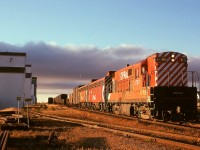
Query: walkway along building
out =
(16, 81)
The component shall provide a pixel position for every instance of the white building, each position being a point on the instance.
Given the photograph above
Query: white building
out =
(15, 79)
(34, 90)
(27, 83)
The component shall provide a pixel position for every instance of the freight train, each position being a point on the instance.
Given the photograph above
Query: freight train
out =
(61, 99)
(159, 86)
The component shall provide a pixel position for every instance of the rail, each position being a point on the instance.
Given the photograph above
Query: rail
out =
(4, 139)
(159, 136)
(51, 136)
(168, 124)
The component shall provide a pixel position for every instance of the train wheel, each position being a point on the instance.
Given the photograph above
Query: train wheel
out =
(116, 109)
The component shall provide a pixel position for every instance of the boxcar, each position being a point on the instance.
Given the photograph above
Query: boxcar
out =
(61, 99)
(96, 94)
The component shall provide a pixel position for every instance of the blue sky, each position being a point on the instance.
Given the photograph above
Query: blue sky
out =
(156, 24)
(96, 25)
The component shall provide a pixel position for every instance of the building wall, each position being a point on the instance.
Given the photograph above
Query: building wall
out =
(34, 90)
(27, 84)
(9, 59)
(11, 87)
(12, 78)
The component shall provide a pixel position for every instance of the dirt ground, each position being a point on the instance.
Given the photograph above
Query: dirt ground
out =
(70, 136)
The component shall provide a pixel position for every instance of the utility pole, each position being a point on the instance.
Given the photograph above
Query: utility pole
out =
(28, 100)
(18, 99)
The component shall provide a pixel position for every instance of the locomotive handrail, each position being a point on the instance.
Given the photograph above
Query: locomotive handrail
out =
(194, 78)
(197, 75)
(147, 75)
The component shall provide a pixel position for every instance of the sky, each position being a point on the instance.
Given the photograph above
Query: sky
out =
(70, 42)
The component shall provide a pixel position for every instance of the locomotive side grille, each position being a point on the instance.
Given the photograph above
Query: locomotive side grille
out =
(172, 72)
(108, 83)
(108, 87)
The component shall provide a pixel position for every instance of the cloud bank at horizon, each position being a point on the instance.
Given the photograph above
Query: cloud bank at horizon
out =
(60, 68)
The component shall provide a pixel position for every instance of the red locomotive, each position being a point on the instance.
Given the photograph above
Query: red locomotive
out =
(157, 86)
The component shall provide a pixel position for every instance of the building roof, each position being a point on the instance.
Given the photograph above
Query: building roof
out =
(13, 53)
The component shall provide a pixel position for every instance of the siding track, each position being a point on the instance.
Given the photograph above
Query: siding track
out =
(183, 141)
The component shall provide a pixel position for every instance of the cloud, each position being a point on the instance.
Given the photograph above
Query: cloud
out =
(60, 68)
(64, 67)
(125, 51)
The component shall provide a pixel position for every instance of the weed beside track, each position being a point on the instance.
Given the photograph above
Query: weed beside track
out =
(74, 136)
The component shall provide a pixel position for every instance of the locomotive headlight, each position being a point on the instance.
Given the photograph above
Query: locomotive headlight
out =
(172, 58)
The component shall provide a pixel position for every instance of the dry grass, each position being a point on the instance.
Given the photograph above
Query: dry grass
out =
(72, 137)
(73, 113)
(75, 137)
(10, 109)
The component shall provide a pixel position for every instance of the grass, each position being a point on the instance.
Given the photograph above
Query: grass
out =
(74, 137)
(73, 113)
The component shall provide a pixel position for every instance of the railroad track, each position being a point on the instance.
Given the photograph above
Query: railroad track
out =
(172, 125)
(183, 141)
(4, 135)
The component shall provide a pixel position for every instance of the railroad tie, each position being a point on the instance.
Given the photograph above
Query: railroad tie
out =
(51, 136)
